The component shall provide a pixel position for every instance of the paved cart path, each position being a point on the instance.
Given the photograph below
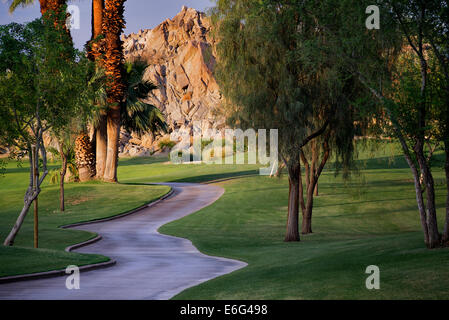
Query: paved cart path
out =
(149, 265)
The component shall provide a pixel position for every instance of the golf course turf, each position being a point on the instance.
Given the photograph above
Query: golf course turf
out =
(371, 219)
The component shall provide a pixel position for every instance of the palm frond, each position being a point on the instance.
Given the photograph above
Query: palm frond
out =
(14, 4)
(139, 116)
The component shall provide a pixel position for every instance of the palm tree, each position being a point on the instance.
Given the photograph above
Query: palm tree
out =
(138, 116)
(95, 48)
(14, 4)
(113, 24)
(52, 7)
(65, 153)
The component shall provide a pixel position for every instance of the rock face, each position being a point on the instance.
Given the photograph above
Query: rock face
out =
(181, 57)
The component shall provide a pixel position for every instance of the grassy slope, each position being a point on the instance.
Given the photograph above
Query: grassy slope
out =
(84, 201)
(371, 220)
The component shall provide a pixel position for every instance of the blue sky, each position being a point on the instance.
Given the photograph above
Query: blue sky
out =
(139, 14)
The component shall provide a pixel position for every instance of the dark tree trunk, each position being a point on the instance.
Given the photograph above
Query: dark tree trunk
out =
(418, 189)
(62, 176)
(61, 182)
(307, 216)
(301, 194)
(31, 193)
(446, 169)
(101, 146)
(431, 216)
(292, 233)
(314, 174)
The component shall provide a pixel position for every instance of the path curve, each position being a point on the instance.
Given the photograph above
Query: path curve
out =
(149, 265)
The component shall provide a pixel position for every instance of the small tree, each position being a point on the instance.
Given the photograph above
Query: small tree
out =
(40, 87)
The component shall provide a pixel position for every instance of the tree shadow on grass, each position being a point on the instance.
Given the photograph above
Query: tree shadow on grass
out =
(218, 176)
(215, 177)
(364, 202)
(141, 160)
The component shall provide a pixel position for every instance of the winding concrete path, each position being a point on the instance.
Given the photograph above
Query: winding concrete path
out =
(149, 265)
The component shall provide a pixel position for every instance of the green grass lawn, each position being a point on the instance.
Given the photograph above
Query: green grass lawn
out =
(371, 219)
(84, 202)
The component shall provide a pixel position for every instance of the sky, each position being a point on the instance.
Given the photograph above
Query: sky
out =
(139, 14)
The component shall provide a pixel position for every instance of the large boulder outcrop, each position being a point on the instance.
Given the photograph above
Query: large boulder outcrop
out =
(181, 57)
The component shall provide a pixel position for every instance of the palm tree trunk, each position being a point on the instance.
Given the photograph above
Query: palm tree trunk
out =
(97, 18)
(113, 129)
(101, 146)
(43, 4)
(84, 157)
(53, 9)
(94, 54)
(94, 44)
(113, 24)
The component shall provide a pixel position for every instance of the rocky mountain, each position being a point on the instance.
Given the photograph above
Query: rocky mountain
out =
(181, 57)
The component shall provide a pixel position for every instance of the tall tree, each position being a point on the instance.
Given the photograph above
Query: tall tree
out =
(95, 46)
(267, 82)
(113, 24)
(52, 8)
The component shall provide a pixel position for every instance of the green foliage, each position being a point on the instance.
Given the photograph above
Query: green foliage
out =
(42, 79)
(137, 115)
(256, 72)
(274, 74)
(69, 151)
(14, 4)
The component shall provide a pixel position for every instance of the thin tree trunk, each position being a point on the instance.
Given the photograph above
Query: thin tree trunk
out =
(446, 169)
(431, 216)
(307, 168)
(301, 194)
(101, 146)
(279, 170)
(28, 200)
(30, 194)
(62, 179)
(292, 233)
(307, 216)
(313, 180)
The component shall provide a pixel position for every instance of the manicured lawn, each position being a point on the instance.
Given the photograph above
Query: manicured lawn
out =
(84, 201)
(370, 220)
